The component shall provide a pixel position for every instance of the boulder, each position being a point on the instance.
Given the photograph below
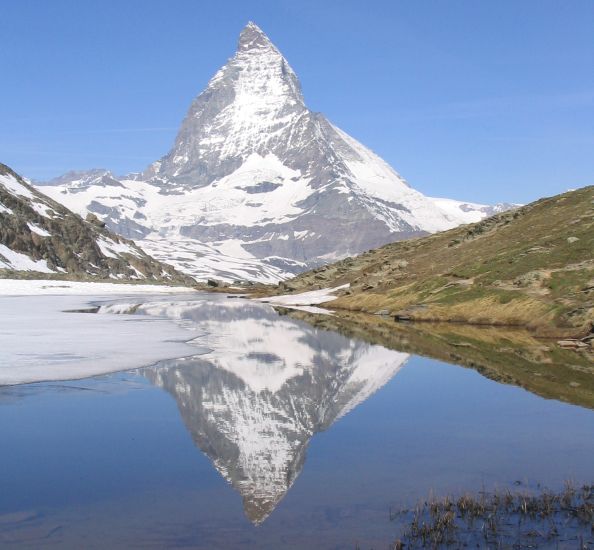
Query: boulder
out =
(91, 218)
(572, 344)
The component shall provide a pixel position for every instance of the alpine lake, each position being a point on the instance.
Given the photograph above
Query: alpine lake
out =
(282, 429)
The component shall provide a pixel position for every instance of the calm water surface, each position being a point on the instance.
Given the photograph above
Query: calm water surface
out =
(282, 436)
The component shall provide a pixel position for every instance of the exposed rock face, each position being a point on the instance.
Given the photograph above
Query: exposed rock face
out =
(255, 175)
(270, 383)
(39, 235)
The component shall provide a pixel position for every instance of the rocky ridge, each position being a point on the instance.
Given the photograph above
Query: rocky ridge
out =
(40, 236)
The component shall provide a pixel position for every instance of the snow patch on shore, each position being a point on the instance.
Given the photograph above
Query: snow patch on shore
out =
(18, 287)
(305, 300)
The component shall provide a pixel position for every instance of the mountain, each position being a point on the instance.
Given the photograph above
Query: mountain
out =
(256, 185)
(533, 267)
(470, 212)
(39, 235)
(267, 386)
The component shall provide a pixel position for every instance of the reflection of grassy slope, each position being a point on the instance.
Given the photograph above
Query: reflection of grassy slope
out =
(533, 266)
(508, 355)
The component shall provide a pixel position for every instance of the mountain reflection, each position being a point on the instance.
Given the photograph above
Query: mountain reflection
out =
(268, 385)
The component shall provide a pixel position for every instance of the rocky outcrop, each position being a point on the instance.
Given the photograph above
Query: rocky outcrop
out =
(39, 235)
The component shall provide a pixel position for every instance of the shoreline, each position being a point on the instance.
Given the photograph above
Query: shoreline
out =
(334, 305)
(505, 353)
(508, 355)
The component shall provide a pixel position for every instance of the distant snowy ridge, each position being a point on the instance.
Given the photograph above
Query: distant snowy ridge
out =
(470, 212)
(257, 186)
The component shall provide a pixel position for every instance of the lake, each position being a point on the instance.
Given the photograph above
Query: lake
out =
(266, 431)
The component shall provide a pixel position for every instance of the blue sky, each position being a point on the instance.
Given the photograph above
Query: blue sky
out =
(479, 100)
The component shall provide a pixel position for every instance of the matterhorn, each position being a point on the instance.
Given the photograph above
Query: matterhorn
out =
(257, 186)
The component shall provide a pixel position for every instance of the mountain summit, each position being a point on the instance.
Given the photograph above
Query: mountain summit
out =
(257, 186)
(252, 37)
(249, 106)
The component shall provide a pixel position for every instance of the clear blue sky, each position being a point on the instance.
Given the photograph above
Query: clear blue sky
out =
(485, 100)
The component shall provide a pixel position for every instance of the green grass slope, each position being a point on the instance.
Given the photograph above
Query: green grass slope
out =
(530, 267)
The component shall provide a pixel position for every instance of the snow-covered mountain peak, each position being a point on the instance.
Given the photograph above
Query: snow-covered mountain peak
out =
(258, 57)
(248, 107)
(252, 37)
(79, 179)
(257, 186)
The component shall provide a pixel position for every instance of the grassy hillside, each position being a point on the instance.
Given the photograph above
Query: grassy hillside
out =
(531, 267)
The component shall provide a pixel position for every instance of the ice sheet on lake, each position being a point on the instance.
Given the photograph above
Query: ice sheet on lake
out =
(39, 341)
(17, 287)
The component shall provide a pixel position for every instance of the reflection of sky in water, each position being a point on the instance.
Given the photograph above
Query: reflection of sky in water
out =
(110, 457)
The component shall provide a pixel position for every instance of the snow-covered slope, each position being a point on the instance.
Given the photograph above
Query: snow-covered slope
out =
(469, 212)
(256, 185)
(39, 235)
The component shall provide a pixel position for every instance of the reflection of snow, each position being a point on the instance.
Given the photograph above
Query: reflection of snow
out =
(269, 383)
(263, 352)
(252, 402)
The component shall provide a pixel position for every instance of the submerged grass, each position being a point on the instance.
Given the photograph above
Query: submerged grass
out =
(501, 520)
